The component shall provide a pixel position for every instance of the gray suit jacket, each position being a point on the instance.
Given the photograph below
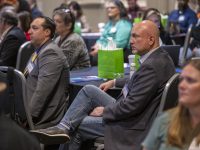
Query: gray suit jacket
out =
(46, 86)
(129, 119)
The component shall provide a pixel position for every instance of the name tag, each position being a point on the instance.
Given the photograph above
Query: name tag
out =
(113, 30)
(125, 90)
(30, 66)
(181, 18)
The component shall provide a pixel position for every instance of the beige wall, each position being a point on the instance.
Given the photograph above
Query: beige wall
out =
(94, 9)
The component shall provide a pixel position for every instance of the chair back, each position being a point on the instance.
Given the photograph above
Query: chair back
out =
(186, 45)
(169, 97)
(23, 56)
(173, 51)
(17, 95)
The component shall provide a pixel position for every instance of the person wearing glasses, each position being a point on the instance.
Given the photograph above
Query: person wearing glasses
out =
(71, 43)
(176, 128)
(118, 28)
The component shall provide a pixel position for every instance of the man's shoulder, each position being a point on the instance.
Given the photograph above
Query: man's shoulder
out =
(17, 33)
(159, 59)
(160, 53)
(190, 11)
(52, 48)
(52, 45)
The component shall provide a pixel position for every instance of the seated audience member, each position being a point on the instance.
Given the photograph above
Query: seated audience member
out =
(118, 27)
(182, 17)
(71, 43)
(80, 18)
(193, 45)
(35, 12)
(46, 75)
(134, 10)
(154, 15)
(22, 5)
(25, 19)
(126, 120)
(12, 38)
(176, 128)
(7, 4)
(12, 136)
(195, 41)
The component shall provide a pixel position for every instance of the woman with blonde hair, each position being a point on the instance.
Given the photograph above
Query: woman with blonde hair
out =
(175, 129)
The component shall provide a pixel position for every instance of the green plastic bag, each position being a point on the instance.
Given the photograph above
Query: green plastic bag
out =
(111, 63)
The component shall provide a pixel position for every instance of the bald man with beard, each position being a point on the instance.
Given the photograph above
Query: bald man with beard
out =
(124, 121)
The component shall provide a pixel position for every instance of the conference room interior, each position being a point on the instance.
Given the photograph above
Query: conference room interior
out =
(89, 27)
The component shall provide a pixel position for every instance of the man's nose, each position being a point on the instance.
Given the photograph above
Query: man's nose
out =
(29, 31)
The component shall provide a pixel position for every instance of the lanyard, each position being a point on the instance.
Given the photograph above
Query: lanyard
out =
(34, 56)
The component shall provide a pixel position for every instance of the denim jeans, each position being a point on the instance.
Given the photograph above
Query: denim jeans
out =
(81, 125)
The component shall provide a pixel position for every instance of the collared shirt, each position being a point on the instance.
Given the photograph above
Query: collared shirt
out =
(142, 59)
(145, 56)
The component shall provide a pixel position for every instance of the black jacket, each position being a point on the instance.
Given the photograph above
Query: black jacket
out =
(10, 45)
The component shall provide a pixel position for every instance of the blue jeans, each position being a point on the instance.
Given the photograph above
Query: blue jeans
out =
(82, 126)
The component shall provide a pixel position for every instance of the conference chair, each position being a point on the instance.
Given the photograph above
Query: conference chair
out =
(169, 97)
(24, 53)
(173, 51)
(15, 96)
(185, 46)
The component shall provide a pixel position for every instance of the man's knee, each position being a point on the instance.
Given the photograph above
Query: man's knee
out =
(90, 88)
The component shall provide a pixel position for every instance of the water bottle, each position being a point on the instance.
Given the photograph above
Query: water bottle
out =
(132, 69)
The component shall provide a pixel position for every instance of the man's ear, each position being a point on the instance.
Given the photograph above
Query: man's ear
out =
(151, 40)
(47, 32)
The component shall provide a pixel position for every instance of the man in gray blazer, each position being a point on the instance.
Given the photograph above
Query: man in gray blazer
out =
(46, 74)
(125, 121)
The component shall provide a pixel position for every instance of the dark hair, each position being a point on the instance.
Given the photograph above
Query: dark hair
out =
(23, 6)
(67, 16)
(121, 7)
(75, 5)
(25, 20)
(62, 6)
(48, 24)
(9, 17)
(153, 11)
